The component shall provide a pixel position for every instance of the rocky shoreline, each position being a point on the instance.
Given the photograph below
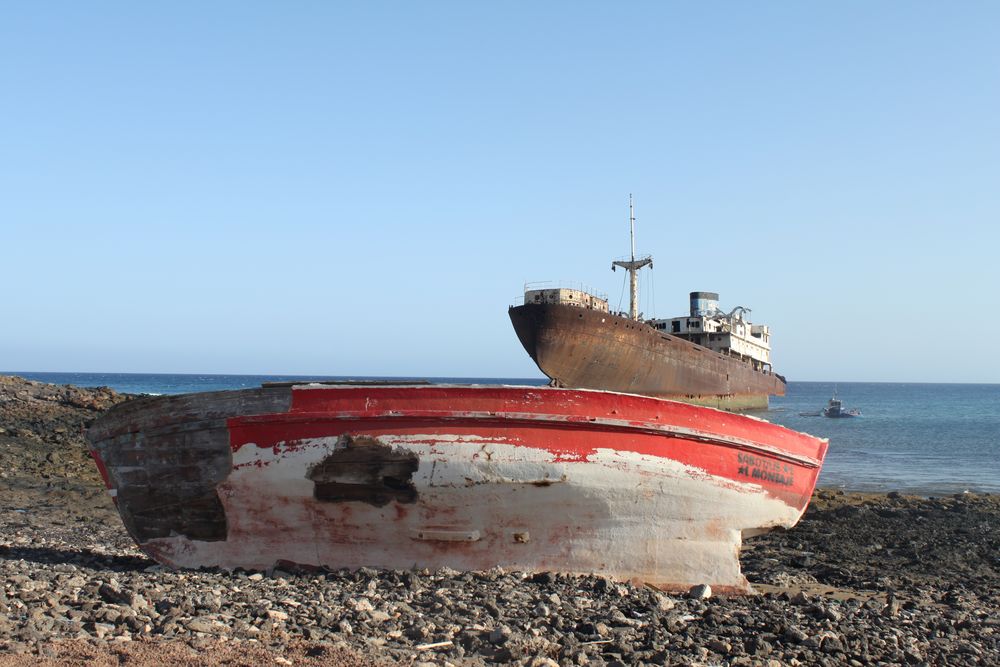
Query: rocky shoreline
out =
(863, 579)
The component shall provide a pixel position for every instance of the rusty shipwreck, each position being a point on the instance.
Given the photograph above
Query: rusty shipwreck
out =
(707, 357)
(463, 476)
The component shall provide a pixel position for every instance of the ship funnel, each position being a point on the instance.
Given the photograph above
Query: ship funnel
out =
(704, 304)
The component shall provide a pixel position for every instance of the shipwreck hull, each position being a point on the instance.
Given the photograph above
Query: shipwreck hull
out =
(468, 477)
(589, 349)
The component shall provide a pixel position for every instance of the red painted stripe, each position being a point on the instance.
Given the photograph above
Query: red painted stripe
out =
(567, 402)
(571, 425)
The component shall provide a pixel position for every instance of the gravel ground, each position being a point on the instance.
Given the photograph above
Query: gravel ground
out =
(863, 579)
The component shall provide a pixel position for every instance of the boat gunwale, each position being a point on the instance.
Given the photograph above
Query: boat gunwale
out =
(549, 420)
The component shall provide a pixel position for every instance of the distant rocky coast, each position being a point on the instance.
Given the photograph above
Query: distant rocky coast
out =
(863, 579)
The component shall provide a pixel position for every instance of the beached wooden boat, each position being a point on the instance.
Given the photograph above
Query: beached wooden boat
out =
(468, 477)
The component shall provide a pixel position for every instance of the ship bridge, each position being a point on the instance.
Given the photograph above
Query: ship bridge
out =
(730, 333)
(539, 293)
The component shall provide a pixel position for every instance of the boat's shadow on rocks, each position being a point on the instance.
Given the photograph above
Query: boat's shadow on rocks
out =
(76, 557)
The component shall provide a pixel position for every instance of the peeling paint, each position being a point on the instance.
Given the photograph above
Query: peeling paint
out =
(365, 470)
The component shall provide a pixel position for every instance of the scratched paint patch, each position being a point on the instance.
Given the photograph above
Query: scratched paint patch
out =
(362, 469)
(446, 439)
(250, 455)
(493, 460)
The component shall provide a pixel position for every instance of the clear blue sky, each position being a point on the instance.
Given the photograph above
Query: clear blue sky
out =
(335, 188)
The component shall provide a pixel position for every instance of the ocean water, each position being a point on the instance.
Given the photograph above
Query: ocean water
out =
(921, 438)
(930, 439)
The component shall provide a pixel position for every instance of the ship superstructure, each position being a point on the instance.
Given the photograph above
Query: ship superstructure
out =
(730, 333)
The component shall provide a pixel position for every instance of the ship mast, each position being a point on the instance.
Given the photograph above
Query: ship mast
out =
(632, 266)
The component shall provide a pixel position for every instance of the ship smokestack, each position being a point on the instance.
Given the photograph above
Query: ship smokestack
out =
(704, 304)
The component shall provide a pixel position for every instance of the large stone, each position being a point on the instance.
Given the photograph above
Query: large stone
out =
(700, 592)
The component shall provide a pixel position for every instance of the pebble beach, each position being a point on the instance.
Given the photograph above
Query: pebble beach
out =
(863, 579)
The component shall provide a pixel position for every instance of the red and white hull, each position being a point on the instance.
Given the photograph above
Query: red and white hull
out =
(468, 477)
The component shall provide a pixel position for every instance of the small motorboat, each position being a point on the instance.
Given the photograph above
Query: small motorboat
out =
(835, 409)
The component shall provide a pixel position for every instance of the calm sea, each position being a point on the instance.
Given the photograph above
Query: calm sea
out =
(930, 439)
(921, 438)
